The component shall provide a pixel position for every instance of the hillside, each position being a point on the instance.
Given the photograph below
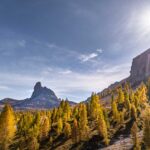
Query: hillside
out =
(140, 72)
(90, 126)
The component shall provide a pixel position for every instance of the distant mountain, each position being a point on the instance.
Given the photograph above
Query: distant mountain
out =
(10, 101)
(41, 98)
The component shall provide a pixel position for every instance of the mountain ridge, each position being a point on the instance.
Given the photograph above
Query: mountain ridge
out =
(41, 98)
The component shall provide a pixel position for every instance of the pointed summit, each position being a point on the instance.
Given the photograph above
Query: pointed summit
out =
(37, 89)
(37, 85)
(43, 93)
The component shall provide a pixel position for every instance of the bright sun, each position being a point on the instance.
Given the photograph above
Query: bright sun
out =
(144, 20)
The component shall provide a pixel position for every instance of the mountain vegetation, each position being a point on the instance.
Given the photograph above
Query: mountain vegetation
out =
(89, 125)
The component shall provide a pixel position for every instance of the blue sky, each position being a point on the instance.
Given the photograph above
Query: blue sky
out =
(74, 47)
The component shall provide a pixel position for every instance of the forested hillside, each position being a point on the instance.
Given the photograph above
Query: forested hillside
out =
(83, 126)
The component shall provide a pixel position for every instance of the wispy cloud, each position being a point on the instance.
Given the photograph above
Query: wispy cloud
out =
(65, 72)
(88, 57)
(99, 50)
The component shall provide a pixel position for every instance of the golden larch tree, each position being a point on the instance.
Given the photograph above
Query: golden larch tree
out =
(7, 127)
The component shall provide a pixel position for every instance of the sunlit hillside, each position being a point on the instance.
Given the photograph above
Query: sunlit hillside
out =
(87, 125)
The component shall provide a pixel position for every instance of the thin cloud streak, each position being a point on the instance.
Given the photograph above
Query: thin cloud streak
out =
(91, 56)
(88, 57)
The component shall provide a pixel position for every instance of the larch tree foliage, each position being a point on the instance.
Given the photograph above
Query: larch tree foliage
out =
(132, 97)
(67, 130)
(121, 96)
(83, 122)
(127, 102)
(37, 119)
(59, 126)
(66, 110)
(49, 115)
(59, 113)
(54, 115)
(127, 87)
(75, 131)
(133, 112)
(75, 113)
(32, 140)
(26, 129)
(148, 88)
(106, 118)
(115, 111)
(146, 132)
(94, 106)
(112, 98)
(24, 124)
(32, 143)
(7, 127)
(63, 112)
(134, 136)
(142, 93)
(136, 100)
(121, 117)
(44, 127)
(88, 109)
(102, 127)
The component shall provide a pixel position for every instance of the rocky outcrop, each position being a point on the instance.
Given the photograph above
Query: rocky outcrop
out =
(43, 93)
(41, 98)
(140, 69)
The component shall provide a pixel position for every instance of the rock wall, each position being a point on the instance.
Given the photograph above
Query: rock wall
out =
(140, 69)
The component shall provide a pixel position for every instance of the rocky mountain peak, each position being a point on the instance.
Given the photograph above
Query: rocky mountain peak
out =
(37, 86)
(37, 89)
(42, 93)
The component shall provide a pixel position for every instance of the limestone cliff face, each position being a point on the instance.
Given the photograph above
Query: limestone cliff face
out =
(140, 69)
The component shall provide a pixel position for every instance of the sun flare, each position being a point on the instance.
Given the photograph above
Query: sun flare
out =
(144, 20)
